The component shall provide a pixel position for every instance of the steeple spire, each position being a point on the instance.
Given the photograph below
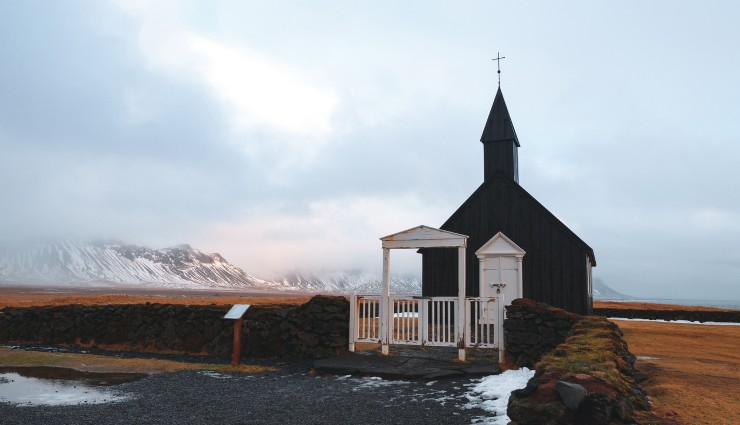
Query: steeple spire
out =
(499, 127)
(500, 143)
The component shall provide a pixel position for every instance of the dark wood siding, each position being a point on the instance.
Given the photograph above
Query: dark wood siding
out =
(554, 267)
(500, 157)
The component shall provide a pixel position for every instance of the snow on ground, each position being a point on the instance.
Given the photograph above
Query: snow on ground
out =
(679, 321)
(492, 394)
(376, 382)
(216, 375)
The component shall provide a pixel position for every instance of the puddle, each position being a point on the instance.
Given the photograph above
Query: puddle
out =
(54, 386)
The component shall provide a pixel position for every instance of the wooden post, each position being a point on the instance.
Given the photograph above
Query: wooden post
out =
(237, 352)
(353, 322)
(462, 318)
(385, 309)
(236, 313)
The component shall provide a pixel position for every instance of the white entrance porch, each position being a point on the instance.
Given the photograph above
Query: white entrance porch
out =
(460, 321)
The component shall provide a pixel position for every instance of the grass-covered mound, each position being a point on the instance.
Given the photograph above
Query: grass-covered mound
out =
(596, 358)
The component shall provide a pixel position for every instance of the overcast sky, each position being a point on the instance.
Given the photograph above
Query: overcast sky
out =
(292, 135)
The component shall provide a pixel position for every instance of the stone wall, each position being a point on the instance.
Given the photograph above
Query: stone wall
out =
(533, 329)
(316, 329)
(694, 316)
(588, 377)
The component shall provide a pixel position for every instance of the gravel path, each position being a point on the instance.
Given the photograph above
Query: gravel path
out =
(284, 397)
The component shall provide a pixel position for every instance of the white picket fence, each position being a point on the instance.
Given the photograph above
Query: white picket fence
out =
(364, 318)
(428, 321)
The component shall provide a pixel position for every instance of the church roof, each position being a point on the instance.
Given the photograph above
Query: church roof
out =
(499, 127)
(514, 188)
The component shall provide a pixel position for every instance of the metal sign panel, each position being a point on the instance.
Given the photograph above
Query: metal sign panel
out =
(237, 311)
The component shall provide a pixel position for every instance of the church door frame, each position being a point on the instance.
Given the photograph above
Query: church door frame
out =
(495, 251)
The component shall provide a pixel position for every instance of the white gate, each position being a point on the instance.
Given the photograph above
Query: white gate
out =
(407, 317)
(413, 320)
(485, 322)
(364, 319)
(427, 321)
(440, 315)
(423, 320)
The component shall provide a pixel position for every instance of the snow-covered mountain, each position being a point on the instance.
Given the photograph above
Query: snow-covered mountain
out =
(96, 262)
(601, 291)
(347, 282)
(182, 266)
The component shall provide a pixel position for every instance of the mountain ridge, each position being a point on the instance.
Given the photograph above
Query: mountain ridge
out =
(103, 262)
(108, 262)
(67, 262)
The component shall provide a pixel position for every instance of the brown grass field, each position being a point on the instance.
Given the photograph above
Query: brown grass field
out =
(651, 306)
(693, 370)
(36, 296)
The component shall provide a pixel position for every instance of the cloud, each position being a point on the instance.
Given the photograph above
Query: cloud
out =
(715, 220)
(260, 95)
(331, 234)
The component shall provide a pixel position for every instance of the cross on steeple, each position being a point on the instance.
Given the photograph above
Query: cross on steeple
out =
(498, 65)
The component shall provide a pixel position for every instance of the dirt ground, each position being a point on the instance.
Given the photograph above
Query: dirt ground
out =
(693, 370)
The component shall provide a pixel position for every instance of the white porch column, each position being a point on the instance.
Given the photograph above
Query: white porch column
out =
(462, 318)
(520, 272)
(385, 298)
(353, 325)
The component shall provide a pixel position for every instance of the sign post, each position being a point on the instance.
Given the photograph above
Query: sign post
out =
(236, 314)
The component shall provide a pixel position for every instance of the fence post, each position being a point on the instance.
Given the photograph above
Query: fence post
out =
(352, 321)
(385, 310)
(460, 317)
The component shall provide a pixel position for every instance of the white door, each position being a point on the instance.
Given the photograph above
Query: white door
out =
(500, 278)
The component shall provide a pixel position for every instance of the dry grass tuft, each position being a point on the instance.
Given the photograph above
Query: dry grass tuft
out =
(97, 363)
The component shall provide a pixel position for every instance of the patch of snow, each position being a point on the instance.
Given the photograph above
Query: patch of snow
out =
(376, 382)
(647, 358)
(214, 374)
(492, 394)
(685, 322)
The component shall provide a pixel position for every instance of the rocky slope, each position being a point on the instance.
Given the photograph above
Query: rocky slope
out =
(602, 291)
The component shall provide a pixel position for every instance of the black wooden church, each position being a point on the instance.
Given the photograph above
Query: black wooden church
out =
(557, 265)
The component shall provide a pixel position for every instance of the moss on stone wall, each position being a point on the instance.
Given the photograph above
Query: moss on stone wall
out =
(594, 359)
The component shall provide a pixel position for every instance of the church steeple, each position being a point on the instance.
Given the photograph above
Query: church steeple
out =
(500, 143)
